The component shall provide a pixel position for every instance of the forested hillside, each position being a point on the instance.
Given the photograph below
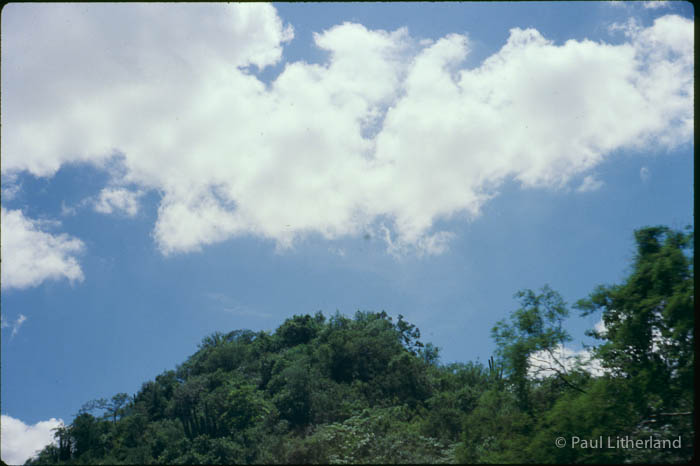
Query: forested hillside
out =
(366, 389)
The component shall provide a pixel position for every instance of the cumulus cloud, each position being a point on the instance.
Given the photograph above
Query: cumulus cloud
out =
(30, 255)
(600, 328)
(563, 360)
(21, 441)
(118, 199)
(390, 132)
(589, 183)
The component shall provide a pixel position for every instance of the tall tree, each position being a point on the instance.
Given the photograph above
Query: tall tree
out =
(648, 335)
(534, 328)
(112, 407)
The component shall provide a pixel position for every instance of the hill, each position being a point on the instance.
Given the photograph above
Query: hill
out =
(366, 389)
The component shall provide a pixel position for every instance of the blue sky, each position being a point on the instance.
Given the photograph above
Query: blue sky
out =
(170, 173)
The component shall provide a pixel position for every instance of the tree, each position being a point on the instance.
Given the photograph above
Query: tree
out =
(534, 328)
(299, 329)
(649, 319)
(87, 434)
(113, 407)
(496, 431)
(604, 410)
(245, 406)
(365, 389)
(648, 336)
(65, 443)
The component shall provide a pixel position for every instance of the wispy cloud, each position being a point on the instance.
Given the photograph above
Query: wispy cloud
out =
(246, 312)
(15, 325)
(230, 305)
(654, 4)
(589, 183)
(337, 251)
(67, 210)
(644, 174)
(617, 3)
(110, 200)
(647, 4)
(10, 187)
(390, 129)
(118, 200)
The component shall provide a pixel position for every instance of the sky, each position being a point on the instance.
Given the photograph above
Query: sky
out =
(172, 170)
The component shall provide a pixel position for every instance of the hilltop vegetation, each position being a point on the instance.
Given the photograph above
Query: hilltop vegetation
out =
(367, 390)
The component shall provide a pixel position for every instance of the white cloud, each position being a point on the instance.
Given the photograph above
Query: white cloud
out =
(10, 186)
(600, 327)
(648, 4)
(339, 251)
(230, 305)
(425, 245)
(644, 174)
(21, 441)
(15, 325)
(9, 192)
(18, 323)
(118, 199)
(67, 210)
(656, 4)
(30, 255)
(391, 129)
(589, 183)
(630, 28)
(563, 360)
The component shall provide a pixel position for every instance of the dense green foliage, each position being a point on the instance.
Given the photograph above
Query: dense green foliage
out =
(367, 390)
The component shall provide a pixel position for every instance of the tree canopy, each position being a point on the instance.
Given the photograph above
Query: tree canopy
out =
(366, 389)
